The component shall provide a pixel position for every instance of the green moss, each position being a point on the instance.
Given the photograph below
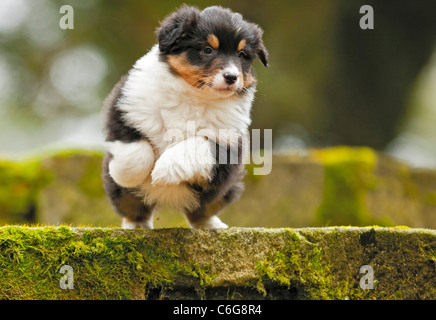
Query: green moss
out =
(325, 262)
(90, 182)
(410, 189)
(430, 198)
(65, 153)
(348, 177)
(20, 183)
(401, 227)
(309, 263)
(303, 269)
(105, 266)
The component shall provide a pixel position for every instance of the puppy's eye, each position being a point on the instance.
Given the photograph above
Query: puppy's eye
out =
(242, 54)
(208, 50)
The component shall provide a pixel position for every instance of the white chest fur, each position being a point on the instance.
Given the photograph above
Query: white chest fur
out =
(159, 104)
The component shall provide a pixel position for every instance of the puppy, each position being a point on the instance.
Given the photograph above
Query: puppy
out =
(163, 118)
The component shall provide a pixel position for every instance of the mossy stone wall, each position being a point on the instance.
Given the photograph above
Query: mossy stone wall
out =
(325, 187)
(236, 263)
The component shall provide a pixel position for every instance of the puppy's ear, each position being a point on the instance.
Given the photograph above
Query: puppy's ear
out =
(176, 26)
(262, 54)
(261, 51)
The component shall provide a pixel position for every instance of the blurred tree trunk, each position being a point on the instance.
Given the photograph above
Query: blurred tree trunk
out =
(375, 70)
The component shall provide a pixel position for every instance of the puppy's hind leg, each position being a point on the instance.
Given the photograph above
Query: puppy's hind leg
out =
(205, 216)
(136, 214)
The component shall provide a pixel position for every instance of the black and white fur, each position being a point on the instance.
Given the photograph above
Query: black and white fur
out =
(199, 72)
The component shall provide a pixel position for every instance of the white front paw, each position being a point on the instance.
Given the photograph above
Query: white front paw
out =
(188, 161)
(131, 162)
(166, 172)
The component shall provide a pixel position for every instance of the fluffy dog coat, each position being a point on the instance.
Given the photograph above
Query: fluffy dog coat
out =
(164, 117)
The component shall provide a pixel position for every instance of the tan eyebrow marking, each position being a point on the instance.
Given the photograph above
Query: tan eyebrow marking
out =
(242, 44)
(213, 41)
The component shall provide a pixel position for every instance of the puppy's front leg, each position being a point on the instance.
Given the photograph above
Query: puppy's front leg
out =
(190, 160)
(131, 162)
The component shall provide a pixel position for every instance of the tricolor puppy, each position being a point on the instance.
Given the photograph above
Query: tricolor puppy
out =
(199, 73)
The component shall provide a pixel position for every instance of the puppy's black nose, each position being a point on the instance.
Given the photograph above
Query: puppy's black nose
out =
(230, 77)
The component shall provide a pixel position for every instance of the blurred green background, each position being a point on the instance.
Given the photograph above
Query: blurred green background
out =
(330, 82)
